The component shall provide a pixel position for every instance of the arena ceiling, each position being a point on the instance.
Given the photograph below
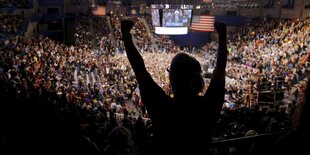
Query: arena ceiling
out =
(201, 1)
(193, 2)
(208, 3)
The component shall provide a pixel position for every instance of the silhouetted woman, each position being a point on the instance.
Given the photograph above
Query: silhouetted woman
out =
(184, 123)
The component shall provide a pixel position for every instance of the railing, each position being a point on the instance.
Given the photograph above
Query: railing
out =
(258, 144)
(120, 116)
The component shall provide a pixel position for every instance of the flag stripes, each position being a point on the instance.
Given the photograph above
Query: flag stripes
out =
(203, 23)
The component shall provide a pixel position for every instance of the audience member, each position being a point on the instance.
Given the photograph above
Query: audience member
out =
(174, 124)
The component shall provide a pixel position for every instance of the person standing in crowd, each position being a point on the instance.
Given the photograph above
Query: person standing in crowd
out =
(178, 128)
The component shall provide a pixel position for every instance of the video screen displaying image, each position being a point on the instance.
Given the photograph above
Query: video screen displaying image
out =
(155, 17)
(176, 18)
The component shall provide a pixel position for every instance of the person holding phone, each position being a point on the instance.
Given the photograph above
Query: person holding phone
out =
(184, 123)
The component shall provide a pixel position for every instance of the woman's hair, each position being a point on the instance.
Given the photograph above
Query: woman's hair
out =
(120, 139)
(185, 74)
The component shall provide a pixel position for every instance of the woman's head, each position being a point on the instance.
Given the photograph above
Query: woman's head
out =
(120, 137)
(185, 75)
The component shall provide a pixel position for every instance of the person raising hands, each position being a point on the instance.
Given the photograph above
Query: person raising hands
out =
(184, 123)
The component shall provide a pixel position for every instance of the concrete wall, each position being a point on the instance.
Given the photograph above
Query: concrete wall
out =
(43, 8)
(218, 12)
(43, 27)
(32, 29)
(306, 13)
(68, 7)
(230, 29)
(298, 11)
(299, 5)
(76, 9)
(251, 13)
(27, 12)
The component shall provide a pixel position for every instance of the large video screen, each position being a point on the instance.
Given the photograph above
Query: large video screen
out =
(171, 19)
(155, 17)
(176, 18)
(171, 30)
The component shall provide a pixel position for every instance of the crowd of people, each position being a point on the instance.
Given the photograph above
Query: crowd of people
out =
(94, 80)
(10, 25)
(15, 3)
(255, 52)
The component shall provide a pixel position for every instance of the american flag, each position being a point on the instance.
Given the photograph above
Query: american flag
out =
(203, 23)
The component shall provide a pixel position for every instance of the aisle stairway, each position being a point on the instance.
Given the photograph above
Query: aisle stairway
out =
(111, 30)
(149, 32)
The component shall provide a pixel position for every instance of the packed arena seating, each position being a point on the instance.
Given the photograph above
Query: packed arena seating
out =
(20, 4)
(93, 82)
(10, 24)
